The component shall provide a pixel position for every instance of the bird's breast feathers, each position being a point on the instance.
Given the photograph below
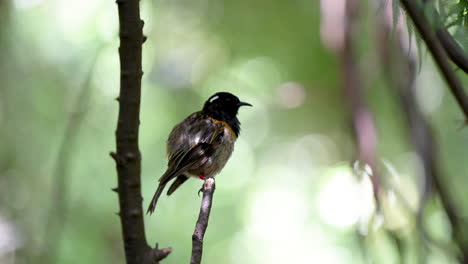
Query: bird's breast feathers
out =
(227, 128)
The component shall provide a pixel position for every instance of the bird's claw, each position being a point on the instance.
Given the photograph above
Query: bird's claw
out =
(200, 191)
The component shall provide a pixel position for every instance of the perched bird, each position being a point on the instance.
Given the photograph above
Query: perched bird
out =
(202, 143)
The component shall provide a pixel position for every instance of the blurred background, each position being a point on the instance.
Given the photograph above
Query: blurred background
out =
(289, 193)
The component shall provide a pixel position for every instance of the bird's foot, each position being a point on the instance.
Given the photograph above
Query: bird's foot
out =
(202, 177)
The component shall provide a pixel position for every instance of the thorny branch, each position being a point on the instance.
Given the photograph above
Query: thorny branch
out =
(127, 156)
(202, 222)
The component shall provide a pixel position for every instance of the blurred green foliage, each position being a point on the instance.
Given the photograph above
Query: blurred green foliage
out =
(286, 196)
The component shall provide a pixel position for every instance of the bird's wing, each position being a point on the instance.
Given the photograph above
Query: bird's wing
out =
(185, 158)
(175, 184)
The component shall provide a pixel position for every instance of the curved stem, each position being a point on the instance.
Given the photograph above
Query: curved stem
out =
(440, 56)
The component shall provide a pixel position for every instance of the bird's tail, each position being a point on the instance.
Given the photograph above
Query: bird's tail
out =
(154, 201)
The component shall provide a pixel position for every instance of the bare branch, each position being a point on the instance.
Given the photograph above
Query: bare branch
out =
(202, 222)
(440, 56)
(455, 52)
(154, 255)
(127, 156)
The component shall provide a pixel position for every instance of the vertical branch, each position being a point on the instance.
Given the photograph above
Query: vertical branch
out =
(363, 123)
(202, 222)
(127, 157)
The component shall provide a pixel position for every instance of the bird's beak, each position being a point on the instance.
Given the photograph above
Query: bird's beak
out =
(244, 104)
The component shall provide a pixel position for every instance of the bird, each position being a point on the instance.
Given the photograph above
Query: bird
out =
(201, 144)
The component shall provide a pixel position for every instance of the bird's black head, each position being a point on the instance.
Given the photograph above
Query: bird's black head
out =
(224, 106)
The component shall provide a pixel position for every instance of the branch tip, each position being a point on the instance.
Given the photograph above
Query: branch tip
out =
(117, 158)
(208, 189)
(155, 255)
(113, 155)
(208, 184)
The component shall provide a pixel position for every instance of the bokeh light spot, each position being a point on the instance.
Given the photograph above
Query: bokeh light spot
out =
(279, 209)
(291, 95)
(343, 201)
(25, 4)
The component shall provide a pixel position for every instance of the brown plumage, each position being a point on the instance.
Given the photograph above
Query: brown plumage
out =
(201, 144)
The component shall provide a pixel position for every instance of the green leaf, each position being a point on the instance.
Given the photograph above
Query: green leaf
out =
(455, 10)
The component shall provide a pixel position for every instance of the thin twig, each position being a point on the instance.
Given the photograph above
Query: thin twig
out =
(127, 156)
(155, 254)
(202, 222)
(362, 119)
(440, 56)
